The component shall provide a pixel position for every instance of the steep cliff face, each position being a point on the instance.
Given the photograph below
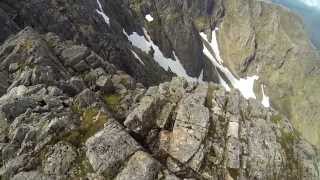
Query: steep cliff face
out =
(270, 41)
(255, 38)
(87, 91)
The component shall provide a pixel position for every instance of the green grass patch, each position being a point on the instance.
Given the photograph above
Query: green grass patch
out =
(276, 118)
(112, 101)
(92, 120)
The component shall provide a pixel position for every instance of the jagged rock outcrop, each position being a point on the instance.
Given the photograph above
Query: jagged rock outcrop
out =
(204, 133)
(50, 106)
(81, 23)
(176, 27)
(76, 100)
(255, 37)
(212, 134)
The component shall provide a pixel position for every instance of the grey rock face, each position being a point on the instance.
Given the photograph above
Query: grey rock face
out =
(47, 103)
(59, 159)
(141, 166)
(84, 25)
(214, 134)
(191, 127)
(4, 82)
(8, 26)
(31, 176)
(205, 133)
(110, 148)
(74, 55)
(142, 119)
(76, 109)
(156, 106)
(264, 39)
(105, 83)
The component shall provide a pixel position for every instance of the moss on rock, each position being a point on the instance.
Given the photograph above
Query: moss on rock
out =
(92, 120)
(276, 118)
(112, 101)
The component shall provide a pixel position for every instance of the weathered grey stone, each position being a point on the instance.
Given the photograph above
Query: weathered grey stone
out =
(43, 74)
(124, 79)
(19, 134)
(166, 175)
(9, 151)
(141, 166)
(110, 148)
(82, 66)
(191, 126)
(4, 84)
(94, 60)
(56, 125)
(59, 159)
(85, 99)
(13, 166)
(77, 84)
(13, 67)
(54, 91)
(12, 108)
(74, 55)
(31, 175)
(142, 118)
(164, 115)
(105, 84)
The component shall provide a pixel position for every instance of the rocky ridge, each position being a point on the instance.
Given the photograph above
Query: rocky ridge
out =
(255, 38)
(76, 102)
(67, 113)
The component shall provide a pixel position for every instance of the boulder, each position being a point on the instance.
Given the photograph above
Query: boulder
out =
(190, 127)
(105, 84)
(141, 166)
(74, 55)
(31, 175)
(60, 158)
(109, 149)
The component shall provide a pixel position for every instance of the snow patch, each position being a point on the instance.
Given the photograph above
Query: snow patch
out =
(215, 47)
(200, 78)
(145, 43)
(149, 18)
(125, 33)
(244, 85)
(137, 57)
(224, 83)
(101, 12)
(140, 42)
(265, 99)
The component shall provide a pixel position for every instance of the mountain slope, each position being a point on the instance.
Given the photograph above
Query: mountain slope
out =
(310, 15)
(266, 40)
(87, 91)
(68, 113)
